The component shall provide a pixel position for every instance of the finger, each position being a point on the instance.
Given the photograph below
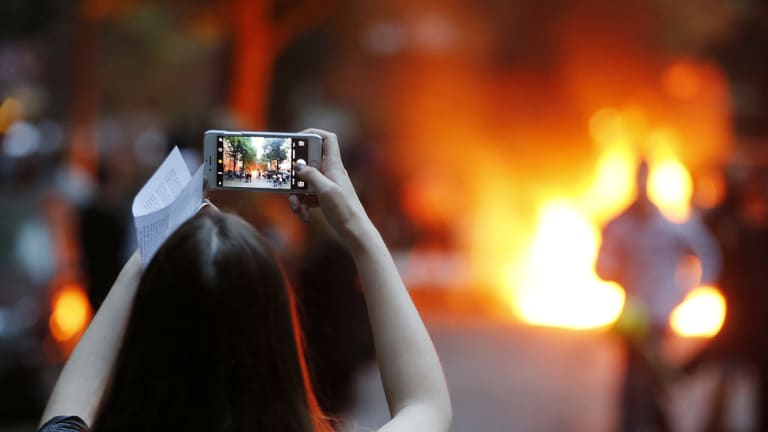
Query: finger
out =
(314, 177)
(305, 213)
(309, 200)
(295, 202)
(331, 150)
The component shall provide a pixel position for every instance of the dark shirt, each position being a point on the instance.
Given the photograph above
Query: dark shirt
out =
(65, 424)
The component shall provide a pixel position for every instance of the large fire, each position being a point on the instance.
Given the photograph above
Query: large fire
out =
(538, 155)
(557, 284)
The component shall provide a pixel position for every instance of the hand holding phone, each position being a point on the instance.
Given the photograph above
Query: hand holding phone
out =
(259, 161)
(335, 194)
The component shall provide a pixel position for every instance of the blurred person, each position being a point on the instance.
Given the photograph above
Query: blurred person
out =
(642, 251)
(740, 349)
(105, 229)
(208, 338)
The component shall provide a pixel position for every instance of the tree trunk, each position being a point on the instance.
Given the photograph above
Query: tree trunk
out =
(254, 57)
(83, 149)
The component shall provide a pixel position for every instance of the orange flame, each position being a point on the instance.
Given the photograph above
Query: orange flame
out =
(701, 314)
(558, 286)
(70, 314)
(536, 163)
(670, 188)
(682, 80)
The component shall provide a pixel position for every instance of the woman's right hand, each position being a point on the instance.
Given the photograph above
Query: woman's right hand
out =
(413, 379)
(336, 196)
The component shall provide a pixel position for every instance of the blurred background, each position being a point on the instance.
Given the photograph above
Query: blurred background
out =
(490, 140)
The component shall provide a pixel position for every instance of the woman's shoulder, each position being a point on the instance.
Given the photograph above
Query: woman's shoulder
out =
(64, 424)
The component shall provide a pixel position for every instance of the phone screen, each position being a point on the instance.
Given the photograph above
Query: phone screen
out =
(260, 162)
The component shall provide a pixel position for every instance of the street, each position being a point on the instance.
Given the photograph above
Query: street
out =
(261, 183)
(510, 377)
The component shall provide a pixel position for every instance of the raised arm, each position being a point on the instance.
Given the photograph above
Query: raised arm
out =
(84, 378)
(410, 369)
(701, 243)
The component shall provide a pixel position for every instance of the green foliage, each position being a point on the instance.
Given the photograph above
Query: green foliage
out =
(274, 150)
(240, 149)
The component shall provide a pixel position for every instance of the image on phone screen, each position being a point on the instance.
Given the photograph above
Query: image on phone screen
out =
(260, 162)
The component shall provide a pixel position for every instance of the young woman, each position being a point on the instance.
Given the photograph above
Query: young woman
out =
(207, 338)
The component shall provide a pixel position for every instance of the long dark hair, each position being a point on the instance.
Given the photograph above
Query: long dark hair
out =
(213, 342)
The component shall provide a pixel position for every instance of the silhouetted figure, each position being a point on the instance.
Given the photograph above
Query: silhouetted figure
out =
(104, 228)
(642, 250)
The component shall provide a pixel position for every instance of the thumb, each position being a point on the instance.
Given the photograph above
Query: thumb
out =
(313, 177)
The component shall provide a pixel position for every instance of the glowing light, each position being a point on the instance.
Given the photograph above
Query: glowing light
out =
(605, 125)
(559, 287)
(10, 112)
(427, 198)
(613, 182)
(71, 312)
(710, 189)
(701, 314)
(681, 80)
(670, 187)
(635, 121)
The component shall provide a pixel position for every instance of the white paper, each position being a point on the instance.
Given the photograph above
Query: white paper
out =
(163, 186)
(170, 197)
(188, 201)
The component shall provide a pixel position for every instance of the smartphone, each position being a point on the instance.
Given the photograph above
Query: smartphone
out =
(259, 161)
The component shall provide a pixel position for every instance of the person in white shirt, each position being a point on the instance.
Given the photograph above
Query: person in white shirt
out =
(642, 251)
